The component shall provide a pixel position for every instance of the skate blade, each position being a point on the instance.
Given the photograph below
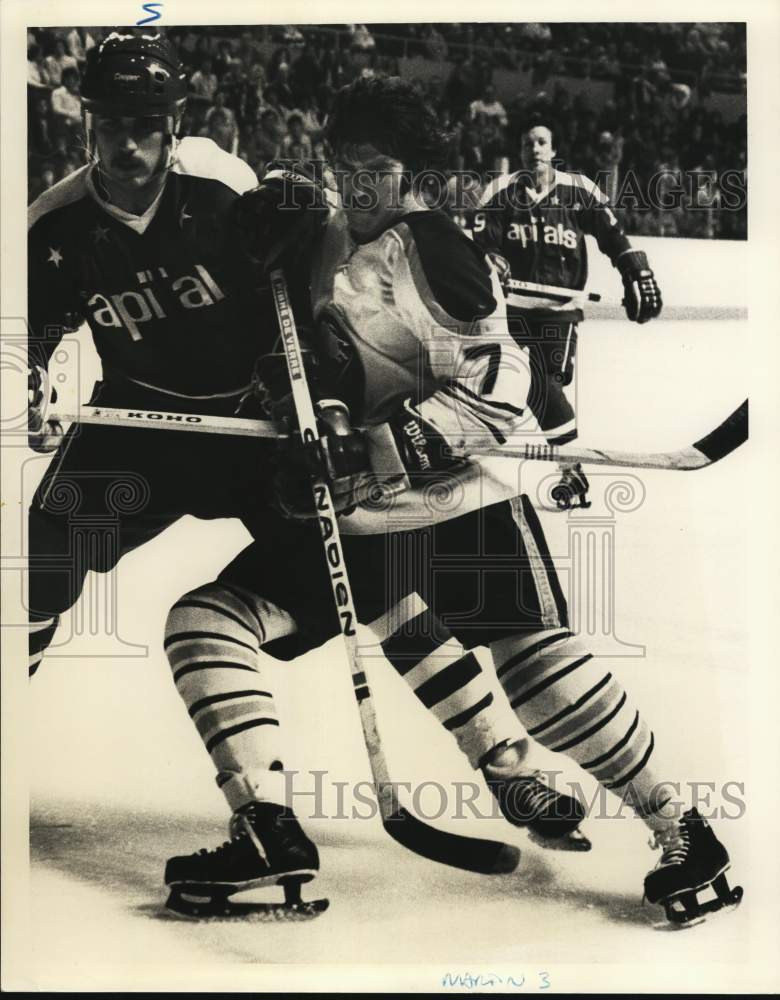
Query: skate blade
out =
(201, 909)
(210, 902)
(685, 909)
(574, 841)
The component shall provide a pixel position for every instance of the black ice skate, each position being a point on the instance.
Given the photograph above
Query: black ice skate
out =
(267, 847)
(693, 860)
(551, 818)
(572, 490)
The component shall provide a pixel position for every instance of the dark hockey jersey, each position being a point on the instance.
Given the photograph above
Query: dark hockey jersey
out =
(166, 295)
(542, 233)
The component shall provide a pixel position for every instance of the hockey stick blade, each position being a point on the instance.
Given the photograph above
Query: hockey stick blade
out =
(472, 854)
(728, 437)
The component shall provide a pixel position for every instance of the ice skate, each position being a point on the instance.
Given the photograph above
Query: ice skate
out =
(693, 861)
(267, 847)
(551, 818)
(572, 489)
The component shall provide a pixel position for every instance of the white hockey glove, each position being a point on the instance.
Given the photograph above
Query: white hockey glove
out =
(44, 435)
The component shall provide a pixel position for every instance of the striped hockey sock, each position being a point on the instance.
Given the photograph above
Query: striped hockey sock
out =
(41, 634)
(213, 639)
(450, 683)
(572, 705)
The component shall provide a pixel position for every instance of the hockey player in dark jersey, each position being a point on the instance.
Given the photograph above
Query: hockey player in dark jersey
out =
(141, 245)
(533, 225)
(415, 347)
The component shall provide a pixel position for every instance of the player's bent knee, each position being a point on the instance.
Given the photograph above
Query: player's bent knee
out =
(218, 611)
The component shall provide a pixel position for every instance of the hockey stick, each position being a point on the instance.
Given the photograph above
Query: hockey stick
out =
(169, 421)
(714, 446)
(517, 289)
(711, 448)
(470, 853)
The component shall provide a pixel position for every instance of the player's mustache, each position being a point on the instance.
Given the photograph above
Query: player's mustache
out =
(125, 161)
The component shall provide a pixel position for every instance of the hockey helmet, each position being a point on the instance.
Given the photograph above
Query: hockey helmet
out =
(133, 75)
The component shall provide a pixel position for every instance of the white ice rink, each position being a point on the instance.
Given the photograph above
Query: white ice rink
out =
(120, 780)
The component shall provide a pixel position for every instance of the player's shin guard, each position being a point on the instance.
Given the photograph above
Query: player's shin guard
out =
(572, 705)
(450, 683)
(213, 639)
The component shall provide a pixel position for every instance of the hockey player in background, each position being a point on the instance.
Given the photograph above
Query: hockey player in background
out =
(413, 345)
(533, 224)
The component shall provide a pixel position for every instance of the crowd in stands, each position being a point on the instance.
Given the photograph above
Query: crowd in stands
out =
(670, 164)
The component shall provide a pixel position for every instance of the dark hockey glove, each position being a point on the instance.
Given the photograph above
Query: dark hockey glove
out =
(421, 447)
(269, 395)
(340, 456)
(642, 296)
(279, 222)
(44, 435)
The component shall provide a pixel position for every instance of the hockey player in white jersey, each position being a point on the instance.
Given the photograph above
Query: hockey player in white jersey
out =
(414, 346)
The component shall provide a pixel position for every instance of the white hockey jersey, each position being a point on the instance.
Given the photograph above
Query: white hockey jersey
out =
(417, 315)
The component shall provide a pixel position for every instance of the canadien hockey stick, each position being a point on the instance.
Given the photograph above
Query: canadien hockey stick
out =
(470, 853)
(711, 448)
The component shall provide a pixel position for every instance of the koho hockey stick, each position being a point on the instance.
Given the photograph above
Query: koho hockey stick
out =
(711, 448)
(470, 853)
(714, 446)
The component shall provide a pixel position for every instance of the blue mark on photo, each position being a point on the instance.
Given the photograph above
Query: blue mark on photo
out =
(154, 15)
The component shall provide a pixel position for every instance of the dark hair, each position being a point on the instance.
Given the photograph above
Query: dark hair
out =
(391, 115)
(538, 121)
(294, 117)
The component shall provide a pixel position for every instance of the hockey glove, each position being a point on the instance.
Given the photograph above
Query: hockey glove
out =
(422, 448)
(269, 393)
(642, 296)
(279, 221)
(340, 456)
(44, 436)
(501, 264)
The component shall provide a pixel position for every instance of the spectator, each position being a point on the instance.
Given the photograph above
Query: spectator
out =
(435, 45)
(306, 75)
(273, 103)
(220, 107)
(268, 138)
(489, 106)
(66, 103)
(38, 75)
(40, 132)
(203, 82)
(59, 61)
(296, 145)
(312, 120)
(79, 41)
(362, 39)
(221, 127)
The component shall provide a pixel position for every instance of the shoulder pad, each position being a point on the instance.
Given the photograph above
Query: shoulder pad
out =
(582, 183)
(197, 156)
(495, 187)
(65, 192)
(449, 270)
